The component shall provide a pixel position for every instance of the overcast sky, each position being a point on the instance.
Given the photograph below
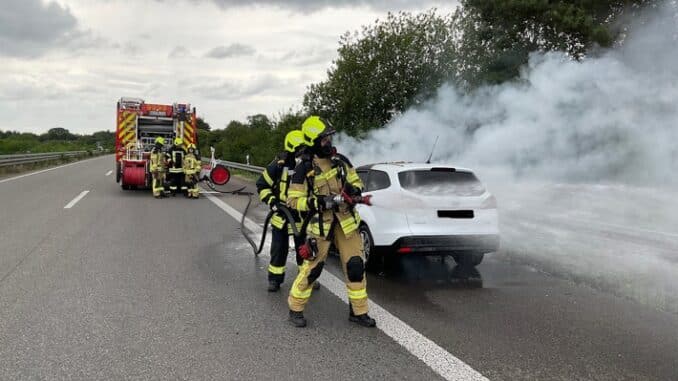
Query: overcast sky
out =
(66, 62)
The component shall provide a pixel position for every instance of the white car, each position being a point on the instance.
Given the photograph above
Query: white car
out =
(426, 209)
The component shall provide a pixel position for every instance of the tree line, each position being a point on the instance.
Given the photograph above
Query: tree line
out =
(56, 139)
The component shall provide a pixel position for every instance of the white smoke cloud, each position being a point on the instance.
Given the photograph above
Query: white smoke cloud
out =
(612, 118)
(582, 156)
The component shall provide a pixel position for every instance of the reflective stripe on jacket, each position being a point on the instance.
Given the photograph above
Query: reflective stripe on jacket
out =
(273, 185)
(323, 177)
(158, 160)
(177, 156)
(191, 164)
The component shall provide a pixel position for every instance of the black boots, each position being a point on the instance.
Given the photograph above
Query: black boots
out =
(297, 319)
(273, 286)
(365, 320)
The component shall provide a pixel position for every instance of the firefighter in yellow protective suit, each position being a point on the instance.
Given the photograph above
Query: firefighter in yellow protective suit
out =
(272, 187)
(315, 184)
(158, 167)
(192, 169)
(176, 167)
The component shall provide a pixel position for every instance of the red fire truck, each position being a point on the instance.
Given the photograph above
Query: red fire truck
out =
(138, 124)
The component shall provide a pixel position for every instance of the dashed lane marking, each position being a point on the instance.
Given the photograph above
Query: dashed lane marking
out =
(109, 173)
(433, 355)
(76, 199)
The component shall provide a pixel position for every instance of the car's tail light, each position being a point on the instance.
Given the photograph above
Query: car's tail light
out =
(404, 250)
(489, 203)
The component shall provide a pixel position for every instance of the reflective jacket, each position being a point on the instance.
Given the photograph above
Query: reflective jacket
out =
(319, 177)
(158, 160)
(177, 155)
(191, 164)
(273, 186)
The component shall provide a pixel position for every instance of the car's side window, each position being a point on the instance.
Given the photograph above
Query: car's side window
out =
(377, 180)
(363, 177)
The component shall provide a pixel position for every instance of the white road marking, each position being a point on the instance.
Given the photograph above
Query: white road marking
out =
(433, 355)
(76, 199)
(45, 170)
(109, 173)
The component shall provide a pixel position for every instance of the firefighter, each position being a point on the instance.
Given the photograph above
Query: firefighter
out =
(158, 167)
(192, 171)
(272, 187)
(315, 184)
(176, 169)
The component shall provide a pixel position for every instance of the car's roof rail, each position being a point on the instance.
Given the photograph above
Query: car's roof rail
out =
(369, 166)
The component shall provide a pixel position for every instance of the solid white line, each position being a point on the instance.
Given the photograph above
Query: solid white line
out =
(76, 199)
(433, 355)
(46, 170)
(109, 173)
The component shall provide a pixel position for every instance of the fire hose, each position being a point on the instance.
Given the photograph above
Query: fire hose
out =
(280, 208)
(309, 249)
(337, 199)
(221, 177)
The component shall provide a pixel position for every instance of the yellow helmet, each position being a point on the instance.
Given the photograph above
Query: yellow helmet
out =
(313, 128)
(178, 141)
(293, 140)
(160, 140)
(191, 146)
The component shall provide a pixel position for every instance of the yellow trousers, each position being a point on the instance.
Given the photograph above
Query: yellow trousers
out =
(158, 183)
(350, 251)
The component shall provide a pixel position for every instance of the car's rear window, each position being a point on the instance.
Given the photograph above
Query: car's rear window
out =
(441, 182)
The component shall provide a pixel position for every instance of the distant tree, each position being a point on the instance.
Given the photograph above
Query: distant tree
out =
(388, 67)
(259, 121)
(260, 136)
(58, 133)
(496, 37)
(202, 125)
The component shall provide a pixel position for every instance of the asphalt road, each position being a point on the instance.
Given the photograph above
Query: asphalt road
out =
(124, 286)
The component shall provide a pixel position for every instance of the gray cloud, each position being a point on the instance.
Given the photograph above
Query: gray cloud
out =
(22, 88)
(233, 50)
(238, 89)
(29, 28)
(309, 56)
(313, 5)
(179, 52)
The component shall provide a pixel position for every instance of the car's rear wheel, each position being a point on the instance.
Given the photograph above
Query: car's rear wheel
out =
(371, 257)
(468, 259)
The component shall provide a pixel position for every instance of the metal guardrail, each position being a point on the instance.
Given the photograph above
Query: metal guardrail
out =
(232, 164)
(29, 158)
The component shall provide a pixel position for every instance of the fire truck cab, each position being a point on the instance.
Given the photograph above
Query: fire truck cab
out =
(138, 124)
